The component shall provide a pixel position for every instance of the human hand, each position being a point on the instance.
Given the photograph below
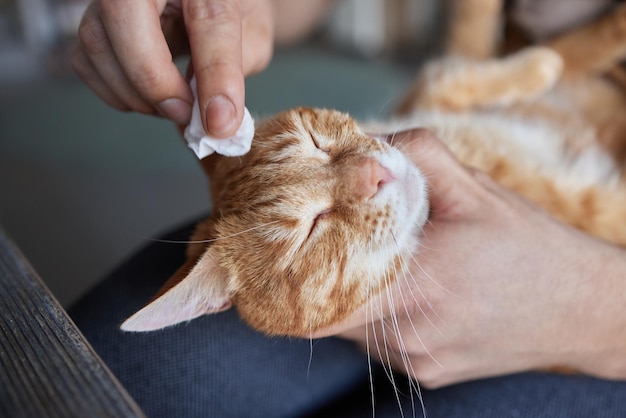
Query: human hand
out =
(125, 51)
(497, 286)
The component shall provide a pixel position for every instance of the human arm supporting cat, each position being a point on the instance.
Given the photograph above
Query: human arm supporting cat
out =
(498, 286)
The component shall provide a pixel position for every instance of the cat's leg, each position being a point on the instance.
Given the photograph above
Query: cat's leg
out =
(457, 84)
(473, 27)
(594, 48)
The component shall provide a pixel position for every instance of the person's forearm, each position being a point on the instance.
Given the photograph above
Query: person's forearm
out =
(601, 334)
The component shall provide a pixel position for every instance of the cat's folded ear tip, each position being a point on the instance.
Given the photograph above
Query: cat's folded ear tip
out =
(146, 319)
(138, 324)
(133, 326)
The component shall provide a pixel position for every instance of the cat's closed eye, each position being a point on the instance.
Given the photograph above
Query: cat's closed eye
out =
(318, 145)
(319, 218)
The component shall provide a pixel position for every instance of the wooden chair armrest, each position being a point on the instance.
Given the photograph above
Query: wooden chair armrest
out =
(47, 368)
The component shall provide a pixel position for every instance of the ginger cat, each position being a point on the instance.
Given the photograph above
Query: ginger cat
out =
(321, 214)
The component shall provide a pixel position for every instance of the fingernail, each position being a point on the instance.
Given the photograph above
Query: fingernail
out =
(220, 116)
(177, 110)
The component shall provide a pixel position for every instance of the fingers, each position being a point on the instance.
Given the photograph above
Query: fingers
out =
(455, 191)
(424, 148)
(137, 40)
(123, 56)
(88, 73)
(215, 39)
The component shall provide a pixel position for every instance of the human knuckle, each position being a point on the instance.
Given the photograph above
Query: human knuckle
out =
(148, 81)
(428, 136)
(111, 7)
(211, 10)
(134, 103)
(92, 37)
(427, 140)
(78, 63)
(219, 69)
(483, 185)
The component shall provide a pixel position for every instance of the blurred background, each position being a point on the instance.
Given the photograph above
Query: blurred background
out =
(83, 186)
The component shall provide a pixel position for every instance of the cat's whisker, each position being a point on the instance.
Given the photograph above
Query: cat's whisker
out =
(406, 270)
(392, 138)
(369, 305)
(412, 282)
(173, 241)
(385, 359)
(423, 312)
(388, 356)
(369, 358)
(431, 278)
(416, 332)
(395, 330)
(383, 108)
(373, 320)
(399, 126)
(208, 241)
(376, 316)
(308, 370)
(414, 386)
(245, 231)
(429, 223)
(404, 274)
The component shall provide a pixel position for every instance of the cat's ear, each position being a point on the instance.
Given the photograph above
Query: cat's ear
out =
(201, 291)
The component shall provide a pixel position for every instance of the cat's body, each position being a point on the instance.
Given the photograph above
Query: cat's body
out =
(321, 214)
(560, 148)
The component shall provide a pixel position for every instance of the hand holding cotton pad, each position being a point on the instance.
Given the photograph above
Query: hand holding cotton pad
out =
(203, 145)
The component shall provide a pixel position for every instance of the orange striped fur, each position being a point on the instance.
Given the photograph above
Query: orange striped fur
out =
(319, 216)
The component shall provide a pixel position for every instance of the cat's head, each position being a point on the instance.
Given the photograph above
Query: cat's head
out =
(318, 217)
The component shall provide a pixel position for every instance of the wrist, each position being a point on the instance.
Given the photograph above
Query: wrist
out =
(598, 335)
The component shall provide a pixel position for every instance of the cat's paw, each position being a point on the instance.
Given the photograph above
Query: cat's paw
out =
(536, 70)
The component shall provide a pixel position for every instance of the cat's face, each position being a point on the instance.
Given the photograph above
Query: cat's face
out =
(313, 221)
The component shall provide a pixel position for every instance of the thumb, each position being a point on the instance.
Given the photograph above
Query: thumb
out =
(453, 188)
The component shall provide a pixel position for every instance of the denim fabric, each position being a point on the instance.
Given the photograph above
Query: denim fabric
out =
(215, 366)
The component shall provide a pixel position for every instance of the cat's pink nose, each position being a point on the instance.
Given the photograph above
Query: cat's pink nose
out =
(371, 177)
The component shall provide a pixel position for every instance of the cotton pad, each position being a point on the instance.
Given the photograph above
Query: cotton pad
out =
(203, 145)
